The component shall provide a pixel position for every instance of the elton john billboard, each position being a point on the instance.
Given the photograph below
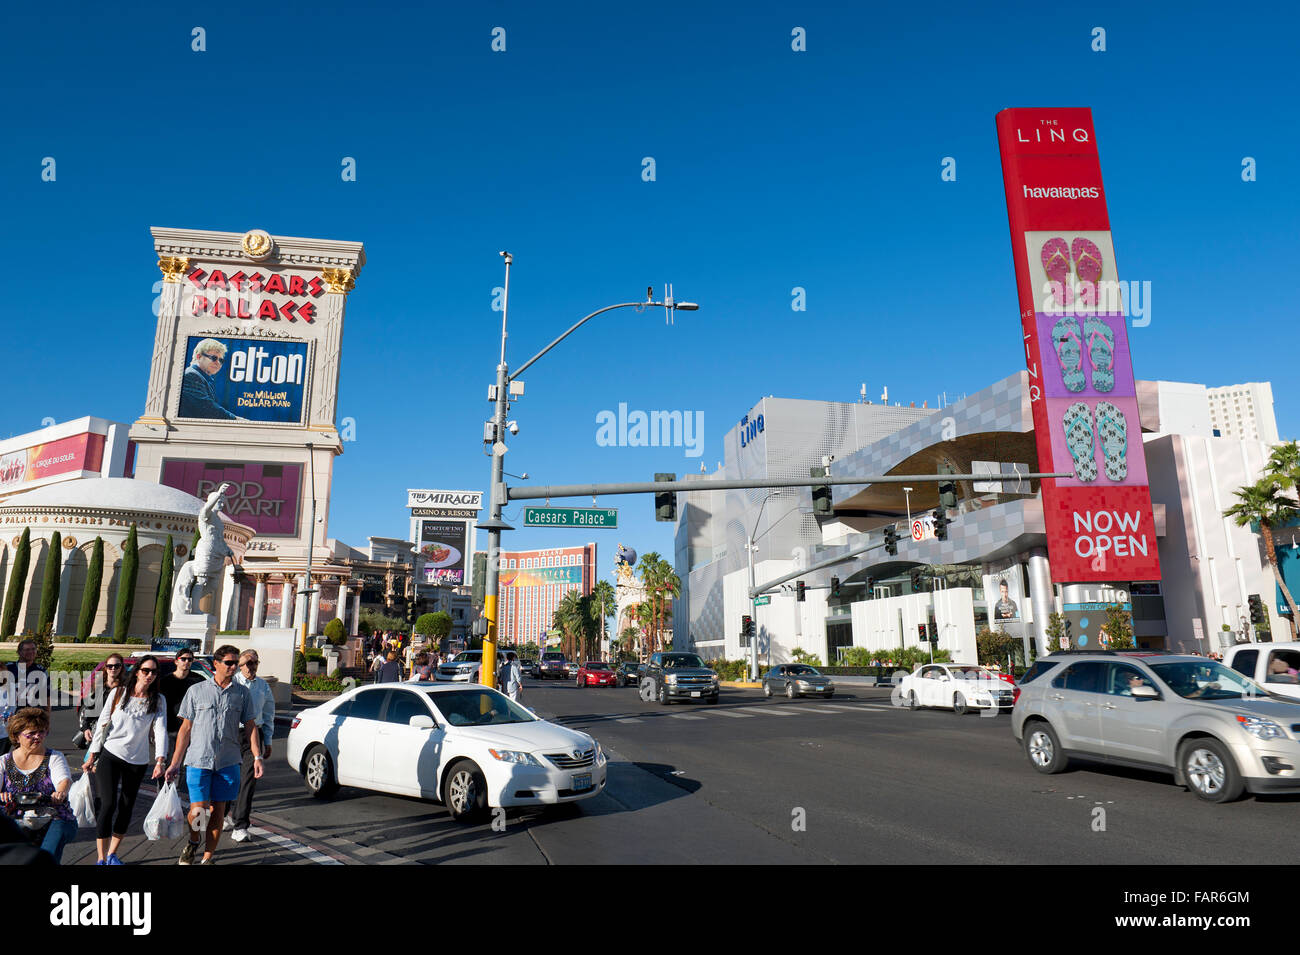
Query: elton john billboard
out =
(244, 379)
(1099, 523)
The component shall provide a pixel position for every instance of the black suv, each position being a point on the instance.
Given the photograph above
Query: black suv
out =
(678, 676)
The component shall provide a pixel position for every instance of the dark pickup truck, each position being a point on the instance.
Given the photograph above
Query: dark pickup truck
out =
(678, 676)
(553, 665)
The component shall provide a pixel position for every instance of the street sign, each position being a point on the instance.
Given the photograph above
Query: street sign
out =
(763, 601)
(571, 517)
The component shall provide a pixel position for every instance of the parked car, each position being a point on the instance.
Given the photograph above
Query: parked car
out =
(957, 687)
(552, 665)
(88, 707)
(596, 673)
(1215, 730)
(1275, 666)
(797, 679)
(678, 676)
(629, 673)
(464, 667)
(469, 747)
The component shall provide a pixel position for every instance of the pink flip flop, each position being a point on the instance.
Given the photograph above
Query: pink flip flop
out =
(1056, 263)
(1087, 265)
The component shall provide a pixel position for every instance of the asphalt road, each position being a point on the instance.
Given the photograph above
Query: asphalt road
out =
(768, 781)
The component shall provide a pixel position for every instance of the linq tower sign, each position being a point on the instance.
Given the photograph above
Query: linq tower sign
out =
(244, 375)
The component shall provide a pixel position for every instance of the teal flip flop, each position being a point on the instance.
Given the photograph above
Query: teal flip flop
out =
(1069, 352)
(1101, 353)
(1113, 431)
(1079, 439)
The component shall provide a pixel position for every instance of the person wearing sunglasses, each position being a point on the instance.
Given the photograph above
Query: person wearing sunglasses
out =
(89, 710)
(119, 754)
(34, 784)
(198, 396)
(265, 705)
(207, 745)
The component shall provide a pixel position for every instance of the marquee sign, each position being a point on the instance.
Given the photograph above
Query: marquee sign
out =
(1099, 523)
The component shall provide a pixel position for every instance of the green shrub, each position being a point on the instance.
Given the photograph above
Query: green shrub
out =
(800, 655)
(90, 597)
(126, 587)
(50, 584)
(136, 642)
(17, 581)
(163, 598)
(734, 670)
(335, 633)
(319, 684)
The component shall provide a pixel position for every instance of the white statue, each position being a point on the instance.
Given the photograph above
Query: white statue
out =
(209, 557)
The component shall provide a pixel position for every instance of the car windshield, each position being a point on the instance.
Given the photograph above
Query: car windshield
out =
(676, 660)
(971, 673)
(467, 657)
(596, 666)
(802, 671)
(553, 658)
(482, 707)
(1194, 680)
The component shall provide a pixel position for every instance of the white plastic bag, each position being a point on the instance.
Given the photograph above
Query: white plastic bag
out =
(82, 801)
(166, 819)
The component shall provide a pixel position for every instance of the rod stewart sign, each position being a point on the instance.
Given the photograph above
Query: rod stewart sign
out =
(1099, 523)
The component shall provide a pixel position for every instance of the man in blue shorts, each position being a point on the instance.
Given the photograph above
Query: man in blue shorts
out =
(207, 744)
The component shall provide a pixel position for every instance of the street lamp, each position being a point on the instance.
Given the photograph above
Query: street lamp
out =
(493, 435)
(753, 597)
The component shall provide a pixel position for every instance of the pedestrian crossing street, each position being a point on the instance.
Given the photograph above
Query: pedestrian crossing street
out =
(765, 710)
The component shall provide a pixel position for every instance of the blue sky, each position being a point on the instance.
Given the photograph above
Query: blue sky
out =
(774, 169)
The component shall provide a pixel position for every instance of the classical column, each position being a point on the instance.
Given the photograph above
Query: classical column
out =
(1041, 596)
(340, 282)
(356, 613)
(299, 606)
(313, 622)
(173, 269)
(259, 602)
(229, 597)
(61, 616)
(287, 600)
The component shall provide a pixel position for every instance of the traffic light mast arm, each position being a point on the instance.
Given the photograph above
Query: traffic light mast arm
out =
(821, 565)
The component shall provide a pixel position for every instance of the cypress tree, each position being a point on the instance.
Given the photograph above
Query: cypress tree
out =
(90, 598)
(163, 602)
(50, 585)
(17, 583)
(194, 545)
(126, 588)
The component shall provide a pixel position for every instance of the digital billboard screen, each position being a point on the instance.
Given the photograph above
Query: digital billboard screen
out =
(244, 379)
(442, 547)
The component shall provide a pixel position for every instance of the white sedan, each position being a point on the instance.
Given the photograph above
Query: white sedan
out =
(956, 687)
(467, 746)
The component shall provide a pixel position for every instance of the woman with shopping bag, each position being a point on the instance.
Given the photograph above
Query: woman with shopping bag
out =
(134, 715)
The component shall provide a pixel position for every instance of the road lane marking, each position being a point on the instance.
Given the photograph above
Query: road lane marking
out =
(817, 709)
(732, 713)
(629, 719)
(766, 710)
(685, 716)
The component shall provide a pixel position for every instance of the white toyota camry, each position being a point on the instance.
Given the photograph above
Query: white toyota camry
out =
(956, 687)
(466, 746)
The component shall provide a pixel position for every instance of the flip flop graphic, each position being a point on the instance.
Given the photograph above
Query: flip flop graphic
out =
(1087, 266)
(1069, 352)
(1079, 439)
(1101, 353)
(1113, 431)
(1056, 263)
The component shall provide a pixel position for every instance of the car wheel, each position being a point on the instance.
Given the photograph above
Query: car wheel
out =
(912, 702)
(959, 705)
(1209, 770)
(663, 695)
(1043, 748)
(318, 773)
(466, 792)
(767, 689)
(578, 682)
(790, 693)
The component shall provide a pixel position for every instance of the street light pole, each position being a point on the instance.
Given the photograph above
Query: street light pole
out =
(308, 591)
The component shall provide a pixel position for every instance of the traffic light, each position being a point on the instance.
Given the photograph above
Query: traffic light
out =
(746, 626)
(920, 629)
(835, 586)
(941, 523)
(665, 501)
(821, 493)
(891, 540)
(916, 581)
(1257, 614)
(799, 591)
(947, 489)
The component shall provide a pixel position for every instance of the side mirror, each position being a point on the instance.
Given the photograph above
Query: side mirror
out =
(1145, 692)
(422, 723)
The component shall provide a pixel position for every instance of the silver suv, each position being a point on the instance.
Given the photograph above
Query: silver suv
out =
(1215, 729)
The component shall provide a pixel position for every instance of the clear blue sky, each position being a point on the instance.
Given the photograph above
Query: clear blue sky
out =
(775, 169)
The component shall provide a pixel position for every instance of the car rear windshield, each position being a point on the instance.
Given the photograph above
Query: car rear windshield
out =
(1038, 669)
(479, 708)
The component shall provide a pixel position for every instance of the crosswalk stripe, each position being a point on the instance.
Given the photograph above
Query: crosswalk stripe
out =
(768, 710)
(685, 716)
(629, 719)
(734, 714)
(817, 709)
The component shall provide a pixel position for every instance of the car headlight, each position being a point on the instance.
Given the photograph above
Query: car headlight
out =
(714, 677)
(670, 678)
(1261, 728)
(800, 682)
(514, 756)
(600, 753)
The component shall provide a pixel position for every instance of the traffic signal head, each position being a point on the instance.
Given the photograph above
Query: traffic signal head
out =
(947, 489)
(799, 591)
(666, 501)
(920, 629)
(941, 523)
(746, 625)
(1256, 609)
(891, 540)
(821, 493)
(835, 586)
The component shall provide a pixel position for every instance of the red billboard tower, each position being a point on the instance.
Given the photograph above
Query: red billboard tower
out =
(1099, 523)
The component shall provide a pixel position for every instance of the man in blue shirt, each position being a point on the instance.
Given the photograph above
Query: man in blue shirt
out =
(198, 397)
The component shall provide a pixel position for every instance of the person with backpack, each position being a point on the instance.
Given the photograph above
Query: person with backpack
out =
(136, 716)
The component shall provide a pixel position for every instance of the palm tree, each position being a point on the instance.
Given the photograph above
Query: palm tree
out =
(1262, 503)
(604, 601)
(568, 617)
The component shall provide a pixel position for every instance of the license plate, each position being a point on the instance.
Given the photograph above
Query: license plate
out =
(582, 782)
(695, 692)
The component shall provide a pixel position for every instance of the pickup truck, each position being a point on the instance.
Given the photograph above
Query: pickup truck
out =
(1273, 666)
(678, 676)
(553, 665)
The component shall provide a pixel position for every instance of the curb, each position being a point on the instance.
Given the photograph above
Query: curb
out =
(737, 685)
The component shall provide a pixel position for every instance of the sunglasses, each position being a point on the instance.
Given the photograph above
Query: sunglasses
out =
(184, 659)
(112, 666)
(251, 664)
(217, 358)
(36, 735)
(228, 663)
(150, 670)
